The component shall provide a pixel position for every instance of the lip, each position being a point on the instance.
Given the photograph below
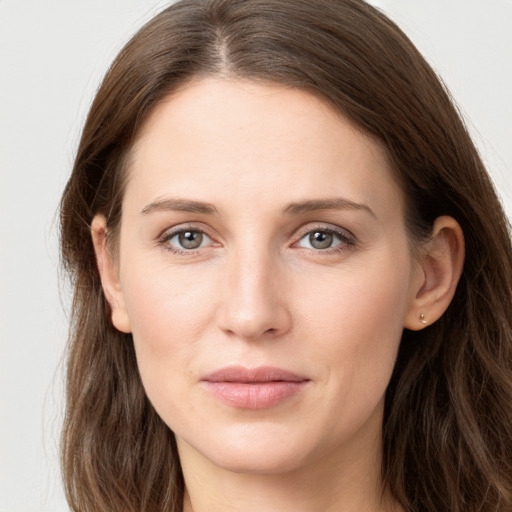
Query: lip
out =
(254, 388)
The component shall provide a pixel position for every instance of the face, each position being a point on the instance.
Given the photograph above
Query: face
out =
(265, 273)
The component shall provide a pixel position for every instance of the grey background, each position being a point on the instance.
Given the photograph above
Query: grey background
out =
(52, 57)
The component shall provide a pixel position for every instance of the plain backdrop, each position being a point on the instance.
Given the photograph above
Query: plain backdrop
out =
(52, 57)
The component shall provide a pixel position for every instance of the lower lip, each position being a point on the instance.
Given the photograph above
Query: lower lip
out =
(256, 395)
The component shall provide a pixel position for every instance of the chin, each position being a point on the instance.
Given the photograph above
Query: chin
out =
(244, 450)
(257, 462)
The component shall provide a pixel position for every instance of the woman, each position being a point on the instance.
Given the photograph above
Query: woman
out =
(292, 274)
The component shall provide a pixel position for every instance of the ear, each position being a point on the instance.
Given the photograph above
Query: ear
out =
(109, 275)
(439, 271)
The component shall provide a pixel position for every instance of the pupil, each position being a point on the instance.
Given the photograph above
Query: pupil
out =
(190, 239)
(321, 239)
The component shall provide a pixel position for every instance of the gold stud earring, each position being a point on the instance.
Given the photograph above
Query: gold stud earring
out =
(422, 319)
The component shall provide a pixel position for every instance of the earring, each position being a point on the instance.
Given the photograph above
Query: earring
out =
(422, 319)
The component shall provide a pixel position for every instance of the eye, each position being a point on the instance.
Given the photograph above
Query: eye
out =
(186, 240)
(322, 239)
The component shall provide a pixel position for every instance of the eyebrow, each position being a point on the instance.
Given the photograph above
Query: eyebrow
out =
(184, 205)
(334, 203)
(188, 205)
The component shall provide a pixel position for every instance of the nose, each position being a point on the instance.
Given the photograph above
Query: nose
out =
(254, 294)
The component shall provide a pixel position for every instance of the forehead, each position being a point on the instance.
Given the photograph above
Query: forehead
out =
(234, 140)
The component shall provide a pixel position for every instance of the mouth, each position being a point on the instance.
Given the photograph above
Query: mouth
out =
(254, 388)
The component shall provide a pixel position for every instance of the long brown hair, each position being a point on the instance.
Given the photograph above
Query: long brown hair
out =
(447, 434)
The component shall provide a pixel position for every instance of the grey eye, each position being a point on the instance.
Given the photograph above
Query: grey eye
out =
(190, 239)
(321, 239)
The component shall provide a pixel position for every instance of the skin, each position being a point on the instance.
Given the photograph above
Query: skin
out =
(256, 292)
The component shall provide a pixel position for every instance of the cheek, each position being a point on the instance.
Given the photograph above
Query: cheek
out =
(357, 318)
(169, 312)
(166, 305)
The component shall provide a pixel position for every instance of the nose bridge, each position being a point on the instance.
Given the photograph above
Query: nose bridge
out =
(253, 298)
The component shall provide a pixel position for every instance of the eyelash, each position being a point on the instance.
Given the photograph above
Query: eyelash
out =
(346, 240)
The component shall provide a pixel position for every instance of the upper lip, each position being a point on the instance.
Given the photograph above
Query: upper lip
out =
(253, 375)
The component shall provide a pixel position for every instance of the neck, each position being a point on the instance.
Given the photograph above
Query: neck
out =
(283, 494)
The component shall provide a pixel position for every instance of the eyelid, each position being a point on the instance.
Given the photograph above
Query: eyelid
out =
(184, 226)
(330, 228)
